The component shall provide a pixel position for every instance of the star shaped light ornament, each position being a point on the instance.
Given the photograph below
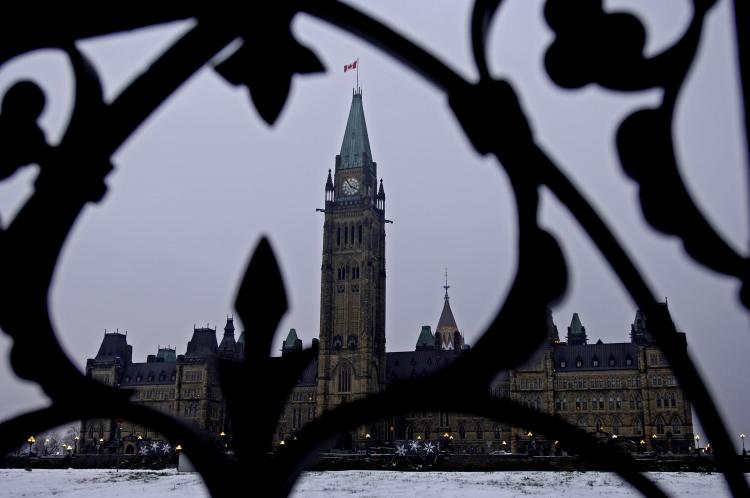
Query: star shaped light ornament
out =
(167, 448)
(414, 446)
(400, 450)
(144, 450)
(429, 448)
(155, 446)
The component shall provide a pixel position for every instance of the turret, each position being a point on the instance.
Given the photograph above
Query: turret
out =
(576, 331)
(292, 343)
(228, 345)
(381, 197)
(330, 192)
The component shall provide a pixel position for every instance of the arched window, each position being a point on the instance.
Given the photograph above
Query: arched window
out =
(637, 426)
(444, 419)
(346, 236)
(638, 401)
(558, 404)
(496, 430)
(410, 432)
(578, 404)
(616, 426)
(461, 431)
(658, 400)
(582, 425)
(352, 234)
(479, 430)
(427, 432)
(338, 236)
(632, 402)
(595, 361)
(676, 425)
(345, 379)
(599, 425)
(659, 423)
(360, 234)
(672, 400)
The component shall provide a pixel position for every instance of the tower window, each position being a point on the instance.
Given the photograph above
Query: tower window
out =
(345, 379)
(346, 236)
(338, 236)
(360, 234)
(352, 234)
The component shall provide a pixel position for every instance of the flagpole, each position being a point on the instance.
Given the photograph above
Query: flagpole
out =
(357, 74)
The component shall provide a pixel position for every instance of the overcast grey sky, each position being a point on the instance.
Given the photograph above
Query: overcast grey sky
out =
(197, 185)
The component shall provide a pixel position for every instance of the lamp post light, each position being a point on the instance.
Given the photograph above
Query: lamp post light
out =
(75, 444)
(222, 435)
(46, 443)
(99, 446)
(742, 436)
(697, 443)
(31, 440)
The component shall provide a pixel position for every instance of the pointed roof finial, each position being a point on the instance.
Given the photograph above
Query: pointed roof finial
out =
(446, 286)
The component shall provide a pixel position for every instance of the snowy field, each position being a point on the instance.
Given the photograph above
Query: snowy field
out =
(168, 483)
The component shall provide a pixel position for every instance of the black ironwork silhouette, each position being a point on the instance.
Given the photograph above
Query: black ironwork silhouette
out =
(590, 45)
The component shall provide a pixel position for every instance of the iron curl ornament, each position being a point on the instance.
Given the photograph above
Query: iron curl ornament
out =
(589, 46)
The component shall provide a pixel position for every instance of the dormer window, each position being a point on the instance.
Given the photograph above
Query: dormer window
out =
(127, 379)
(629, 361)
(138, 378)
(579, 362)
(612, 361)
(595, 362)
(150, 378)
(563, 363)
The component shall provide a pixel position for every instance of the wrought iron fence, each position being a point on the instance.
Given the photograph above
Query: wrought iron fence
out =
(590, 45)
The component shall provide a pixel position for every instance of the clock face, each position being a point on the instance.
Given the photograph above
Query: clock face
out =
(351, 186)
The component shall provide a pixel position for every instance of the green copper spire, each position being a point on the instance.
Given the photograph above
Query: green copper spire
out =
(355, 149)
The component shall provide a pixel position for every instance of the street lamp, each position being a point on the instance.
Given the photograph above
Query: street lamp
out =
(697, 442)
(46, 442)
(31, 440)
(75, 443)
(742, 436)
(99, 446)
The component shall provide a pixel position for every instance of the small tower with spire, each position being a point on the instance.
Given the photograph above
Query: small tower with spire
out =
(576, 331)
(447, 335)
(329, 188)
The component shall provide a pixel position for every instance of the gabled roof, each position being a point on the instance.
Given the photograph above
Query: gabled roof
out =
(355, 149)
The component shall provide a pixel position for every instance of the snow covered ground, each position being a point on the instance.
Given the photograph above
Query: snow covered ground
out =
(168, 483)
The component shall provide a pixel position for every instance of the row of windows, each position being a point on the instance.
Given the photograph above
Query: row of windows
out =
(348, 235)
(666, 400)
(659, 381)
(461, 430)
(636, 425)
(190, 408)
(192, 393)
(612, 362)
(192, 376)
(657, 360)
(154, 394)
(598, 403)
(149, 378)
(303, 396)
(598, 383)
(342, 273)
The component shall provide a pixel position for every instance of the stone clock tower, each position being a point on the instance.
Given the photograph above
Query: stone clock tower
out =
(351, 361)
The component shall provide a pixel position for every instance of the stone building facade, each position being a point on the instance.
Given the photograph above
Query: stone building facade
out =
(185, 385)
(623, 392)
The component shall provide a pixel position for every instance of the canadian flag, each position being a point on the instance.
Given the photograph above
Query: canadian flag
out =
(348, 67)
